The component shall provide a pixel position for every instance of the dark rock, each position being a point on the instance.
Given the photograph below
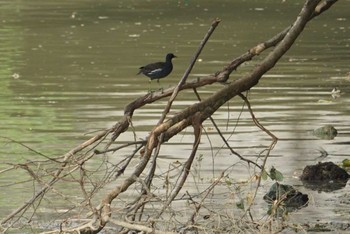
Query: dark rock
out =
(324, 172)
(324, 177)
(287, 196)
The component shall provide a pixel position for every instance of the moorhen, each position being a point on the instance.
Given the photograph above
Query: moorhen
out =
(158, 70)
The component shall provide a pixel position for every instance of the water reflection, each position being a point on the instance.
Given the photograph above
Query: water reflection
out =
(69, 68)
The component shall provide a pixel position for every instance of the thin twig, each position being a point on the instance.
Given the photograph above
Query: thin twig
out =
(189, 69)
(142, 142)
(272, 145)
(139, 227)
(200, 204)
(30, 149)
(187, 166)
(223, 138)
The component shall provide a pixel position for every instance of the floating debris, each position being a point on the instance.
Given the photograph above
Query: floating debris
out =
(15, 76)
(134, 35)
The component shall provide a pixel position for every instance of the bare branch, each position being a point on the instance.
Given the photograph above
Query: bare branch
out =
(167, 127)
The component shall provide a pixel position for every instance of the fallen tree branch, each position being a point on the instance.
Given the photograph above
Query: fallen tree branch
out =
(170, 127)
(207, 107)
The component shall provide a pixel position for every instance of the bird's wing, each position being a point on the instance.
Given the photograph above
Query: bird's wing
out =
(154, 71)
(154, 67)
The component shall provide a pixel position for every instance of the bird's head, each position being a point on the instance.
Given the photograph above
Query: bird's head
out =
(170, 56)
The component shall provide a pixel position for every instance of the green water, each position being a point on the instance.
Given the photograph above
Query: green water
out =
(68, 68)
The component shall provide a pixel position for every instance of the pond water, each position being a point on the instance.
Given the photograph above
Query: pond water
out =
(68, 68)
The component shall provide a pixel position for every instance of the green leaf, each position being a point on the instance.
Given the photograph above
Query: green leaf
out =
(228, 182)
(240, 205)
(264, 174)
(275, 174)
(279, 176)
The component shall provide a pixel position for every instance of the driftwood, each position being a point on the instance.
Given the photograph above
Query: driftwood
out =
(167, 127)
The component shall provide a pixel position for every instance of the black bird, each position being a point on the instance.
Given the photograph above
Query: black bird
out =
(158, 70)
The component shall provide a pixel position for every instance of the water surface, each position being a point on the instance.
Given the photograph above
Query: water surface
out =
(68, 68)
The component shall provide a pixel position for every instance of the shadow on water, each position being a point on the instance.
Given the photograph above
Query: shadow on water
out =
(68, 69)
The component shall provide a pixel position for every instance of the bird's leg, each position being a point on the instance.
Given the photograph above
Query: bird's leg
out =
(160, 87)
(149, 86)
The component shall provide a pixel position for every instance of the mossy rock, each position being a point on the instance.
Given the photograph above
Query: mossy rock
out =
(327, 132)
